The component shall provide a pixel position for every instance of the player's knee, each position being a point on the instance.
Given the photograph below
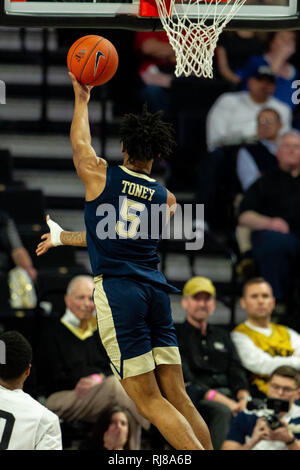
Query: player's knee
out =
(178, 397)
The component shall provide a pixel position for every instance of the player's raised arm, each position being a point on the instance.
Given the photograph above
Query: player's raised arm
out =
(90, 169)
(80, 129)
(58, 236)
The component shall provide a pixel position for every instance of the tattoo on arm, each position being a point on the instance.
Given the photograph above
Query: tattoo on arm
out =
(73, 238)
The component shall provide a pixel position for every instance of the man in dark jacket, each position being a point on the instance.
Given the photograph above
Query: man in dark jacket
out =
(270, 210)
(214, 376)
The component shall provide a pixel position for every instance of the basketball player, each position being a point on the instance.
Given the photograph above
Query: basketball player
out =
(25, 424)
(131, 295)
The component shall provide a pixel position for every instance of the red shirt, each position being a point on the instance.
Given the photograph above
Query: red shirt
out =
(147, 60)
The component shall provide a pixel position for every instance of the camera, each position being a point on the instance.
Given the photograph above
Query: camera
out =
(269, 409)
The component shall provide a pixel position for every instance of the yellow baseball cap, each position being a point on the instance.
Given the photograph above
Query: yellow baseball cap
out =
(198, 284)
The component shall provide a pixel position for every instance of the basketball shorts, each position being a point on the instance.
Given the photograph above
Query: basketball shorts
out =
(135, 325)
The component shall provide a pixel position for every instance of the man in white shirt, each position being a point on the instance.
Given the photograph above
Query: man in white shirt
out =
(262, 345)
(25, 424)
(232, 118)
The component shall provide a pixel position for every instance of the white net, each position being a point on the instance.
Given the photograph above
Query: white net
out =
(193, 28)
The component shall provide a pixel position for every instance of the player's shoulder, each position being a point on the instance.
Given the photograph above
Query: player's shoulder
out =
(38, 408)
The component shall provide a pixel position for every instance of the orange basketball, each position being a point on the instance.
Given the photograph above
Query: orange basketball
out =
(93, 60)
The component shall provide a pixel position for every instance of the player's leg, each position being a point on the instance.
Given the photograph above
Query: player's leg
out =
(144, 391)
(123, 321)
(168, 364)
(170, 381)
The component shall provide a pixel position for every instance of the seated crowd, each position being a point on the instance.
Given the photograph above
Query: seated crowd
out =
(223, 371)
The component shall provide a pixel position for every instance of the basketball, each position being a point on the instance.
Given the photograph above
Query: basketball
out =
(93, 60)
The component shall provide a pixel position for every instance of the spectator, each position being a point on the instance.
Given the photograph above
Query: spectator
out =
(74, 367)
(247, 162)
(281, 47)
(112, 431)
(255, 159)
(262, 345)
(12, 251)
(233, 51)
(16, 266)
(215, 379)
(25, 424)
(157, 65)
(269, 209)
(249, 431)
(233, 117)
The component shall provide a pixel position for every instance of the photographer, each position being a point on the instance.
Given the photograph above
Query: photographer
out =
(251, 430)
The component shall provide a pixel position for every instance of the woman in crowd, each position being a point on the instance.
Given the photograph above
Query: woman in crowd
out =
(112, 431)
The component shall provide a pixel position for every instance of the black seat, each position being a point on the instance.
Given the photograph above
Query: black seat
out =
(24, 206)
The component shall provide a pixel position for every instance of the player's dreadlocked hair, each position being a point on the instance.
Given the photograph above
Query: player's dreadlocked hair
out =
(146, 136)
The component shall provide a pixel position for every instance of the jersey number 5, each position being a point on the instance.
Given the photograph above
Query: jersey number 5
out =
(127, 206)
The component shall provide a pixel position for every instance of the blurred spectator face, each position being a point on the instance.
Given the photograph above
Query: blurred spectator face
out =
(288, 152)
(284, 388)
(258, 301)
(118, 427)
(268, 125)
(260, 89)
(199, 306)
(284, 40)
(80, 300)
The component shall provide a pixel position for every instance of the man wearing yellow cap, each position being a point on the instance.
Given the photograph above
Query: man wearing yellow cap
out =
(216, 381)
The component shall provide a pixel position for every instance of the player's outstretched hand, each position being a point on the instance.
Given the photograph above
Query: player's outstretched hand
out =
(44, 246)
(50, 239)
(80, 91)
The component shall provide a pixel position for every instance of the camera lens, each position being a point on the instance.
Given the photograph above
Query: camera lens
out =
(273, 422)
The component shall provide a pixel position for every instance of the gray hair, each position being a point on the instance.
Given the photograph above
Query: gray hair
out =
(294, 132)
(82, 277)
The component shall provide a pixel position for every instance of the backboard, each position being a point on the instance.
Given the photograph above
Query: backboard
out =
(257, 15)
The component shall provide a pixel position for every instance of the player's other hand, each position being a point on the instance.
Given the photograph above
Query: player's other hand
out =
(81, 92)
(49, 239)
(44, 246)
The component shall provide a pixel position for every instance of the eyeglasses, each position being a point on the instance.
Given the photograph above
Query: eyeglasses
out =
(276, 388)
(267, 121)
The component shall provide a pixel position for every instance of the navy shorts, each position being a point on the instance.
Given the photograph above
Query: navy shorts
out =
(135, 325)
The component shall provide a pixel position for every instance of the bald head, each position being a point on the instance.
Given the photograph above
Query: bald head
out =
(79, 297)
(85, 279)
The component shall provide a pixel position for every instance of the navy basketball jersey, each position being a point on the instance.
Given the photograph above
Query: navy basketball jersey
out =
(124, 226)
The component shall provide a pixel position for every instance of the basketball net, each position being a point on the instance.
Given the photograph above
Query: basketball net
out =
(193, 28)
